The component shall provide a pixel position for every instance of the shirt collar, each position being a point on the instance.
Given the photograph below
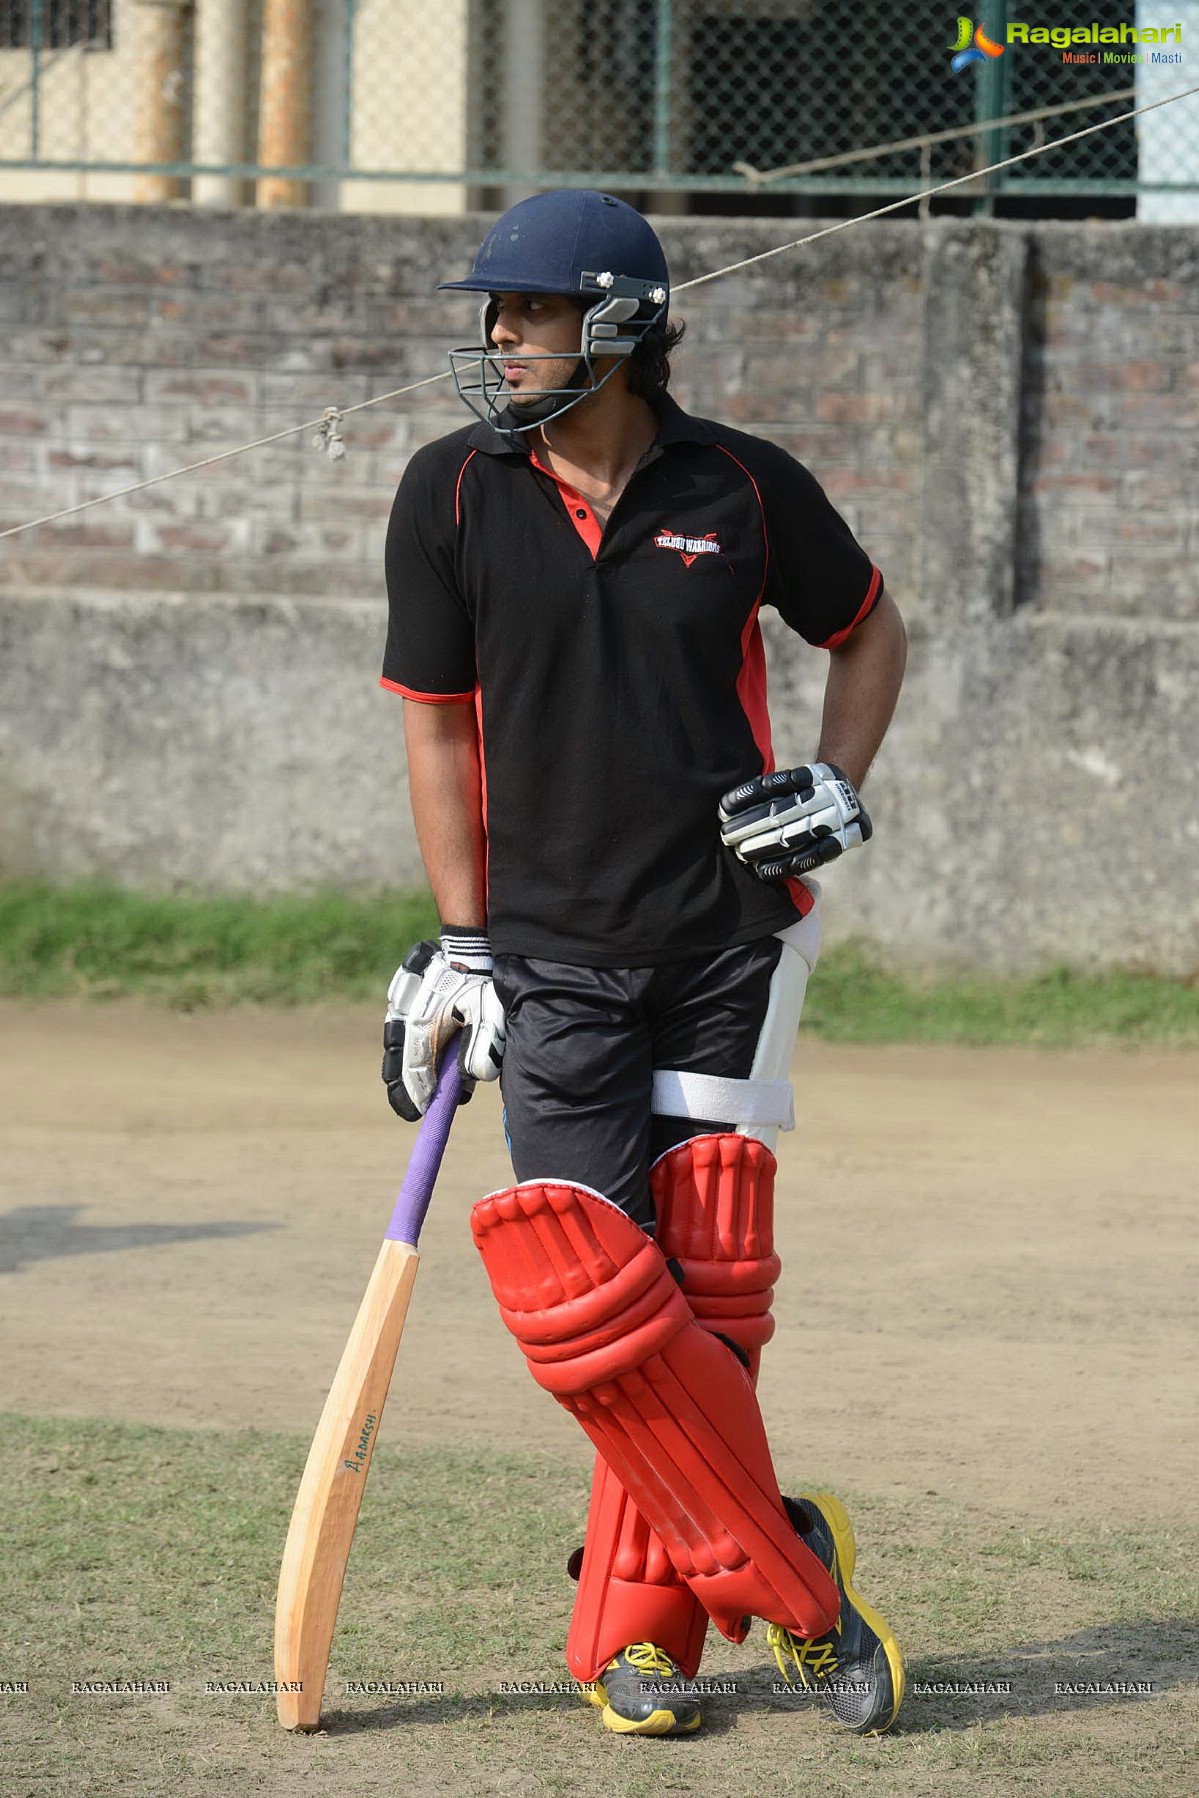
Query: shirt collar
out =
(494, 443)
(674, 426)
(677, 426)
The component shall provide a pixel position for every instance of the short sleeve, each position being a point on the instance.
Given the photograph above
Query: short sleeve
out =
(820, 579)
(430, 652)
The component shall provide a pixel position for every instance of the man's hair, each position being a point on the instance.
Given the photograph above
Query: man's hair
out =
(649, 364)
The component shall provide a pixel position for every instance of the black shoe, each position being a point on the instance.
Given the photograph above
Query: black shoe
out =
(858, 1665)
(641, 1694)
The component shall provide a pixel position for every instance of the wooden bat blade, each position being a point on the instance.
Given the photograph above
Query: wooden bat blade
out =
(326, 1508)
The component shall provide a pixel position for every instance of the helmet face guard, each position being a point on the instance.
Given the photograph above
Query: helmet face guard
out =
(616, 319)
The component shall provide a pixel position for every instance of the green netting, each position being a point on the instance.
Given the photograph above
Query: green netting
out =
(650, 96)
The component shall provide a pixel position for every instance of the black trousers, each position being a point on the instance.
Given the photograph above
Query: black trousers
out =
(583, 1044)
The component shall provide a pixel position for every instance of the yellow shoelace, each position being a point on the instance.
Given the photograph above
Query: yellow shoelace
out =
(817, 1657)
(647, 1658)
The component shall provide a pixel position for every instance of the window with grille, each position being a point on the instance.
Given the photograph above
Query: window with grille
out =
(55, 24)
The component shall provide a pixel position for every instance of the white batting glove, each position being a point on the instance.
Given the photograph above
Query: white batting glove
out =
(794, 821)
(437, 992)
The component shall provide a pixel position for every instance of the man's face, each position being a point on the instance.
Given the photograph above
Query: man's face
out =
(536, 324)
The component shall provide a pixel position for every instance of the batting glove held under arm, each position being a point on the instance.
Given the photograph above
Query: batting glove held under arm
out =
(436, 992)
(794, 821)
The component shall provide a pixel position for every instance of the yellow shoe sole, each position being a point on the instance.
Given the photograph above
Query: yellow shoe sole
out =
(847, 1554)
(658, 1723)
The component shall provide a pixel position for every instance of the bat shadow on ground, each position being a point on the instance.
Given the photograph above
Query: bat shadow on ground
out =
(1089, 1670)
(31, 1233)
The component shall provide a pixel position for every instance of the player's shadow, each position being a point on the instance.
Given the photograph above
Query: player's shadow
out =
(1115, 1663)
(47, 1232)
(1032, 1680)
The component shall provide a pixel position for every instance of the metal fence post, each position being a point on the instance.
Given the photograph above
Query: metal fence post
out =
(347, 92)
(989, 87)
(35, 79)
(523, 99)
(663, 59)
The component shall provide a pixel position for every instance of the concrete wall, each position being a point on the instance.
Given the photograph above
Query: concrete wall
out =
(1007, 415)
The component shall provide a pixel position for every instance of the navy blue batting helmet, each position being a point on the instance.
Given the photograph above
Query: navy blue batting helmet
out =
(559, 242)
(588, 245)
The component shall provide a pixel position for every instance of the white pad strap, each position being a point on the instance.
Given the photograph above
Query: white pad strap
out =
(681, 1095)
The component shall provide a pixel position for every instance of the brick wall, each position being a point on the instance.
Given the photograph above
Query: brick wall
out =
(1006, 414)
(1110, 478)
(136, 340)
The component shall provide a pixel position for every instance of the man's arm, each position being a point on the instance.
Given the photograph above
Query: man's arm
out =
(446, 792)
(795, 820)
(864, 678)
(437, 991)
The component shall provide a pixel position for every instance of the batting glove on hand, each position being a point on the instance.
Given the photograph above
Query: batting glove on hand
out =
(794, 821)
(439, 990)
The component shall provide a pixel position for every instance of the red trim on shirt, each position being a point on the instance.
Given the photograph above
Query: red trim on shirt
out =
(864, 610)
(801, 896)
(483, 793)
(458, 488)
(751, 689)
(394, 686)
(579, 512)
(751, 682)
(761, 515)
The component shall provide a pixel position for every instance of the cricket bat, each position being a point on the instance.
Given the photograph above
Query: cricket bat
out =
(326, 1508)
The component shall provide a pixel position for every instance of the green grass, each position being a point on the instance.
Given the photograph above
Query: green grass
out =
(852, 999)
(189, 951)
(145, 1553)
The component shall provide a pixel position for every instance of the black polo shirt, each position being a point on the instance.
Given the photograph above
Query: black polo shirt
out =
(618, 674)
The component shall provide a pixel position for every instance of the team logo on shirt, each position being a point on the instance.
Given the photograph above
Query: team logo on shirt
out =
(689, 547)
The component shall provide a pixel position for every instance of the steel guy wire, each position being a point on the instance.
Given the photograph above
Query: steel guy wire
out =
(326, 430)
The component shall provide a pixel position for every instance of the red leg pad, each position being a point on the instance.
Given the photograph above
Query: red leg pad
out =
(605, 1328)
(628, 1588)
(714, 1199)
(715, 1204)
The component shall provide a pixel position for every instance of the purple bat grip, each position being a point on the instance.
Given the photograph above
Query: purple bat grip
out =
(427, 1151)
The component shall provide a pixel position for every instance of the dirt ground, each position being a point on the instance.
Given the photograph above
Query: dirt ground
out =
(988, 1255)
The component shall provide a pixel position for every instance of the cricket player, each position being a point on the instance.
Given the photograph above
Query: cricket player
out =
(629, 920)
